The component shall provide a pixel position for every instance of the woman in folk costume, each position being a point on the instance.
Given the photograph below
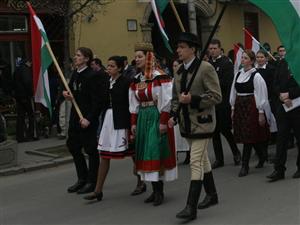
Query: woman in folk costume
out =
(113, 140)
(251, 114)
(149, 103)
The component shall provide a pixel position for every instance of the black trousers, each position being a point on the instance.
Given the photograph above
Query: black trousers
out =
(217, 143)
(286, 121)
(24, 109)
(87, 140)
(260, 149)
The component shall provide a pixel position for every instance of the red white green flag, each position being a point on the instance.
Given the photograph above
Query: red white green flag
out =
(158, 6)
(251, 42)
(41, 60)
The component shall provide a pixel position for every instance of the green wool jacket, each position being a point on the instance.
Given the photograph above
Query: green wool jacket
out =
(197, 119)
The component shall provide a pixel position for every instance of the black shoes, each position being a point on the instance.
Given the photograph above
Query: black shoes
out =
(275, 176)
(244, 171)
(217, 164)
(297, 174)
(208, 201)
(89, 187)
(139, 189)
(94, 195)
(75, 187)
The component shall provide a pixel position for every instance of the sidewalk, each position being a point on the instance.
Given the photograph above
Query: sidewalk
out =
(31, 157)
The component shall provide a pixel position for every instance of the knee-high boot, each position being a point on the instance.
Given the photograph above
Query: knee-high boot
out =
(190, 210)
(158, 193)
(211, 197)
(245, 160)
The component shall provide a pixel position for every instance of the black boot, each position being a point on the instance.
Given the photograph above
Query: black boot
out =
(151, 197)
(158, 193)
(190, 210)
(245, 160)
(211, 197)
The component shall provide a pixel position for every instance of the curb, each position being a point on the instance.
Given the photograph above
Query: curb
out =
(37, 166)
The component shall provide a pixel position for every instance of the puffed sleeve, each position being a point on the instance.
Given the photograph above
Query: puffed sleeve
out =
(164, 98)
(260, 92)
(133, 104)
(233, 93)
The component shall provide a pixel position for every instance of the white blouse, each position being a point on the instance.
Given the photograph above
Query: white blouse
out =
(260, 89)
(161, 92)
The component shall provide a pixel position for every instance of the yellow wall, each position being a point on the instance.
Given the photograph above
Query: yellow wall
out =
(107, 33)
(233, 21)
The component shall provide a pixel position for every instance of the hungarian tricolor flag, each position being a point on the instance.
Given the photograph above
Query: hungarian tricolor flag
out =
(41, 60)
(285, 15)
(158, 6)
(251, 42)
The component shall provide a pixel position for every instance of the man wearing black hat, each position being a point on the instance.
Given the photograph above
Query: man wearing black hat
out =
(196, 119)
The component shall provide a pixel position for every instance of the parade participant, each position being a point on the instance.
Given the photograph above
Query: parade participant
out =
(129, 71)
(113, 140)
(180, 142)
(149, 103)
(197, 120)
(250, 107)
(89, 93)
(23, 93)
(224, 69)
(286, 90)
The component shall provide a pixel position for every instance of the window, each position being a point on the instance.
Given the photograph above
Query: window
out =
(251, 23)
(13, 24)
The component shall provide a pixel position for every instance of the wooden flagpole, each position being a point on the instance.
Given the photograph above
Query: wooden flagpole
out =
(177, 16)
(64, 80)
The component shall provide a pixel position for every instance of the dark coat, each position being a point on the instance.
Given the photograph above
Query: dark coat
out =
(129, 73)
(90, 92)
(119, 102)
(224, 69)
(268, 75)
(23, 82)
(284, 82)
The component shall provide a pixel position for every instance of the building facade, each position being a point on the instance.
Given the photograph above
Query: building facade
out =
(122, 23)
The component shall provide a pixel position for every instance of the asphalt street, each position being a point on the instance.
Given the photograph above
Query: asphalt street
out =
(40, 197)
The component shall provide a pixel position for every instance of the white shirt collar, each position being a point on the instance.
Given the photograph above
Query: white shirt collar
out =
(126, 67)
(261, 67)
(187, 65)
(82, 69)
(214, 60)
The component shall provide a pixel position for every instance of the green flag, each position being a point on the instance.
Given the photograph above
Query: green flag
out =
(285, 16)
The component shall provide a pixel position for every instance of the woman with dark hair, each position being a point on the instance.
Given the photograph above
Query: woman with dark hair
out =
(249, 104)
(149, 104)
(113, 140)
(88, 91)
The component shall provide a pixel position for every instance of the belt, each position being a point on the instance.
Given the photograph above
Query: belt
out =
(149, 103)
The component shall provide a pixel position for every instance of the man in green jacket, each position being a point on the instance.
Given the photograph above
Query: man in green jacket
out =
(197, 119)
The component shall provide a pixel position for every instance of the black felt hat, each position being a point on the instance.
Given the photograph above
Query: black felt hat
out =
(188, 38)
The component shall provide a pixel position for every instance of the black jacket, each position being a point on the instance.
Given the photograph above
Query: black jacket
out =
(119, 102)
(284, 82)
(23, 82)
(224, 69)
(268, 75)
(90, 92)
(129, 73)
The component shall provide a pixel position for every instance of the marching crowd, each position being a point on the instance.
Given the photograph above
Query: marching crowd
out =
(145, 111)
